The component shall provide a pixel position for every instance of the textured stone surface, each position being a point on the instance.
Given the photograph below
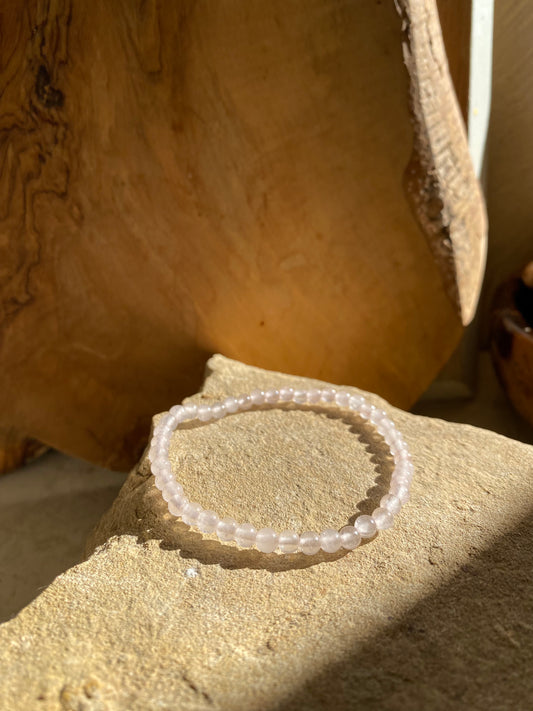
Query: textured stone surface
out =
(435, 613)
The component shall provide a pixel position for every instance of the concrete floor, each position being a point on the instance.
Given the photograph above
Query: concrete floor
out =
(48, 507)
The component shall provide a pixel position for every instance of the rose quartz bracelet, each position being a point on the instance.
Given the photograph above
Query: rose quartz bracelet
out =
(266, 539)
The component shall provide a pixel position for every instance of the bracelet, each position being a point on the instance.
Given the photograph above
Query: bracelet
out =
(266, 539)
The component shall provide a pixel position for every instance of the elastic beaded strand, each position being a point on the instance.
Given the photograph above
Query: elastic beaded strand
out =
(267, 540)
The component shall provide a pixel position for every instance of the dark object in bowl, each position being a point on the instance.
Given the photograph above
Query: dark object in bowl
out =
(512, 340)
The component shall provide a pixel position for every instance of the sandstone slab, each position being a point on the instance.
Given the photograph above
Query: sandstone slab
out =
(434, 614)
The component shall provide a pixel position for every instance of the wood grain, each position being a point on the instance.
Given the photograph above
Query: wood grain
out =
(185, 178)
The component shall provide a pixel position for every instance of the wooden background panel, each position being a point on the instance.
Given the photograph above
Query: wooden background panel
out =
(187, 178)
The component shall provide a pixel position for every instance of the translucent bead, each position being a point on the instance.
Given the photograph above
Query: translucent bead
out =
(207, 521)
(309, 542)
(285, 394)
(272, 395)
(177, 411)
(350, 538)
(162, 481)
(204, 413)
(288, 541)
(245, 402)
(190, 410)
(177, 504)
(245, 535)
(328, 394)
(342, 398)
(383, 518)
(217, 411)
(226, 528)
(366, 526)
(356, 402)
(266, 540)
(191, 513)
(401, 491)
(300, 396)
(392, 503)
(231, 404)
(377, 416)
(171, 488)
(330, 540)
(314, 395)
(257, 397)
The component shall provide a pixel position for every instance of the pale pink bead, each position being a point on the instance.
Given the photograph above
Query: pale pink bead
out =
(366, 526)
(190, 410)
(226, 528)
(245, 535)
(328, 394)
(257, 397)
(342, 398)
(218, 410)
(350, 538)
(204, 413)
(245, 402)
(285, 394)
(330, 540)
(392, 503)
(300, 396)
(309, 542)
(207, 521)
(266, 540)
(191, 513)
(383, 518)
(170, 489)
(314, 395)
(271, 396)
(177, 504)
(288, 541)
(401, 491)
(356, 402)
(231, 404)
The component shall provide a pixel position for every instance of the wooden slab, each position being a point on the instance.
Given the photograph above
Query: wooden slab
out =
(261, 179)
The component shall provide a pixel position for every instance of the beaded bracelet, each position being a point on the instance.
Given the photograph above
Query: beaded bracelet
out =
(266, 539)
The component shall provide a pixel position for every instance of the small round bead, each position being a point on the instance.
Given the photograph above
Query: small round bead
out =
(342, 398)
(350, 538)
(377, 416)
(401, 491)
(288, 541)
(245, 402)
(285, 394)
(190, 513)
(177, 504)
(177, 411)
(356, 402)
(171, 488)
(392, 503)
(272, 395)
(309, 542)
(190, 410)
(257, 397)
(245, 535)
(218, 411)
(231, 404)
(383, 518)
(330, 540)
(204, 413)
(366, 526)
(314, 395)
(226, 528)
(328, 394)
(266, 540)
(207, 521)
(300, 396)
